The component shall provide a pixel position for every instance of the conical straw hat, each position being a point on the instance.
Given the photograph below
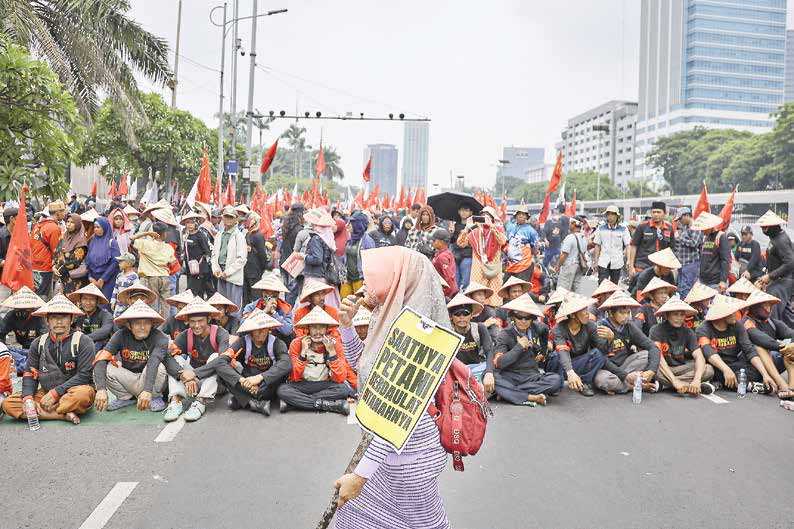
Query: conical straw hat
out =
(165, 215)
(573, 303)
(205, 208)
(197, 307)
(59, 304)
(242, 208)
(140, 310)
(742, 286)
(191, 216)
(759, 296)
(511, 282)
(606, 287)
(129, 210)
(461, 300)
(770, 218)
(476, 287)
(219, 301)
(313, 286)
(136, 288)
(620, 298)
(183, 297)
(160, 204)
(319, 217)
(91, 290)
(700, 292)
(707, 221)
(89, 216)
(363, 317)
(270, 281)
(558, 296)
(674, 304)
(525, 304)
(723, 306)
(260, 320)
(665, 258)
(316, 316)
(24, 298)
(656, 284)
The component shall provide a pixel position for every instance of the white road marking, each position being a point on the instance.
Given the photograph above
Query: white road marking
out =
(109, 505)
(168, 433)
(715, 399)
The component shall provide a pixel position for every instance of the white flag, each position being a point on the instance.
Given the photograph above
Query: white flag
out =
(191, 197)
(561, 196)
(133, 193)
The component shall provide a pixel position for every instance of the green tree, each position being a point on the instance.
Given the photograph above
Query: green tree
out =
(93, 46)
(38, 124)
(332, 160)
(506, 184)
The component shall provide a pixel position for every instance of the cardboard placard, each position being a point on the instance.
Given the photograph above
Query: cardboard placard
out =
(294, 264)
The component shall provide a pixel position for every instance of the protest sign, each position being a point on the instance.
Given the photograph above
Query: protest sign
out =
(405, 375)
(294, 264)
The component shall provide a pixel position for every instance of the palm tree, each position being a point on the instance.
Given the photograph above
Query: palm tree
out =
(297, 141)
(93, 46)
(262, 123)
(332, 159)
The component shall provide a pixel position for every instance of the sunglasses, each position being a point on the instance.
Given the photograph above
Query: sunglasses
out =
(462, 312)
(522, 317)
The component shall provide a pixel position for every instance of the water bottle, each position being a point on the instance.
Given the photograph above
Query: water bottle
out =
(636, 397)
(741, 386)
(31, 414)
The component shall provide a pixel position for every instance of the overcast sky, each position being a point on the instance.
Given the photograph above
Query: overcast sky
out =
(488, 74)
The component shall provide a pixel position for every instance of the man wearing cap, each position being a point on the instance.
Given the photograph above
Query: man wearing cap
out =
(687, 250)
(779, 278)
(715, 253)
(131, 365)
(748, 254)
(649, 237)
(229, 253)
(520, 233)
(44, 239)
(771, 337)
(477, 345)
(271, 303)
(444, 261)
(197, 256)
(555, 230)
(20, 321)
(58, 371)
(154, 257)
(573, 258)
(96, 323)
(663, 263)
(611, 240)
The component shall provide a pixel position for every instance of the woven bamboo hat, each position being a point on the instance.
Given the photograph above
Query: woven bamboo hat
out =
(191, 216)
(89, 290)
(462, 300)
(476, 287)
(742, 286)
(160, 204)
(606, 287)
(700, 292)
(675, 304)
(129, 210)
(363, 317)
(319, 217)
(140, 310)
(221, 302)
(258, 320)
(524, 304)
(573, 303)
(270, 281)
(197, 307)
(243, 209)
(165, 215)
(24, 298)
(511, 282)
(707, 221)
(665, 258)
(136, 288)
(89, 216)
(656, 284)
(723, 306)
(313, 286)
(558, 296)
(759, 296)
(59, 304)
(183, 297)
(770, 218)
(316, 316)
(620, 298)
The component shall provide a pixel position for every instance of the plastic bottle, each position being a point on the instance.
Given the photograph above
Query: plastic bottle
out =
(636, 397)
(741, 385)
(31, 414)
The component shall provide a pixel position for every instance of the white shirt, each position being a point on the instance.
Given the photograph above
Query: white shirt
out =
(613, 243)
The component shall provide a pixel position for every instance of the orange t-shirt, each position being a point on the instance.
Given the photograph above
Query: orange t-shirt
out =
(44, 239)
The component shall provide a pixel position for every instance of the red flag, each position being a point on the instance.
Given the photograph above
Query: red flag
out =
(368, 170)
(228, 196)
(204, 185)
(373, 196)
(18, 270)
(93, 189)
(387, 202)
(727, 210)
(123, 189)
(544, 212)
(703, 202)
(287, 198)
(112, 190)
(359, 200)
(319, 167)
(503, 209)
(268, 158)
(421, 197)
(570, 210)
(488, 201)
(556, 175)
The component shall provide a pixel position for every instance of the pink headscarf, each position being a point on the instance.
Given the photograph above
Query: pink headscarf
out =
(122, 235)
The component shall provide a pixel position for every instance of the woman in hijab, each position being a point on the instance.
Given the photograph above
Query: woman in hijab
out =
(387, 489)
(70, 254)
(359, 240)
(406, 225)
(122, 229)
(319, 248)
(385, 234)
(421, 237)
(101, 258)
(486, 241)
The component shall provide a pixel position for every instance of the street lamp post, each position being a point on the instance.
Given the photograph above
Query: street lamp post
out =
(502, 164)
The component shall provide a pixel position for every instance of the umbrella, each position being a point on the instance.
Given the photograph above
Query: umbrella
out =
(445, 205)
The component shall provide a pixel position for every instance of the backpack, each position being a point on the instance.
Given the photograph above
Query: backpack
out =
(213, 339)
(461, 413)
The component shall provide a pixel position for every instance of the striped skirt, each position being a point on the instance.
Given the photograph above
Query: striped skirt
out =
(403, 496)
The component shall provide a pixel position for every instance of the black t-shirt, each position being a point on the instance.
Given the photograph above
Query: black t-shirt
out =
(134, 354)
(202, 347)
(555, 230)
(258, 359)
(24, 326)
(675, 343)
(470, 351)
(649, 238)
(733, 344)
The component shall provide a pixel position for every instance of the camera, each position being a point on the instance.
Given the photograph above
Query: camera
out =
(478, 219)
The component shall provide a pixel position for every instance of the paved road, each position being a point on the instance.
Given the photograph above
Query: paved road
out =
(578, 463)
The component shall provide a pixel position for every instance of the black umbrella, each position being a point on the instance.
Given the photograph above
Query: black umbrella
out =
(445, 205)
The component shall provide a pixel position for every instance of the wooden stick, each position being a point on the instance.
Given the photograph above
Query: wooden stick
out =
(330, 510)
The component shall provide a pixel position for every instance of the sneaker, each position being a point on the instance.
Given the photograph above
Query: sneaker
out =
(706, 388)
(173, 411)
(282, 406)
(587, 390)
(233, 404)
(195, 411)
(157, 404)
(121, 403)
(260, 406)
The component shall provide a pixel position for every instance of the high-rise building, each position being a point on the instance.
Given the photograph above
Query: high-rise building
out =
(384, 167)
(710, 63)
(602, 140)
(416, 150)
(789, 90)
(519, 160)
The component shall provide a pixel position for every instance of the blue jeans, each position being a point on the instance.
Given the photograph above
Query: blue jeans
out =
(687, 276)
(586, 365)
(464, 273)
(477, 370)
(550, 256)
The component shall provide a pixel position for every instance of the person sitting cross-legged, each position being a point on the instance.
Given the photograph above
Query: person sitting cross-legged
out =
(130, 366)
(699, 298)
(271, 303)
(313, 295)
(320, 372)
(20, 321)
(228, 310)
(97, 323)
(512, 369)
(477, 345)
(771, 337)
(58, 371)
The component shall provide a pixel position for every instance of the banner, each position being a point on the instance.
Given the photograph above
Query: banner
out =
(407, 371)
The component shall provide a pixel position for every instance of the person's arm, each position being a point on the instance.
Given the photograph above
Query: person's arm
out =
(644, 343)
(353, 346)
(85, 361)
(281, 368)
(786, 254)
(665, 370)
(240, 254)
(463, 237)
(286, 323)
(157, 356)
(565, 251)
(597, 243)
(259, 250)
(563, 349)
(743, 341)
(105, 355)
(486, 342)
(754, 262)
(298, 364)
(759, 337)
(105, 329)
(336, 362)
(725, 258)
(30, 382)
(508, 352)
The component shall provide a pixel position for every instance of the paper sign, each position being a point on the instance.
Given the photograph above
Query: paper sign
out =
(405, 375)
(294, 264)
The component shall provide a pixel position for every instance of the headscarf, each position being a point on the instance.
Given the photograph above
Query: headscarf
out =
(253, 222)
(340, 236)
(100, 249)
(483, 242)
(418, 225)
(76, 239)
(358, 224)
(392, 231)
(122, 235)
(397, 277)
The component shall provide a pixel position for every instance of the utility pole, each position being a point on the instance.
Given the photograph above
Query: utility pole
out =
(219, 170)
(233, 102)
(176, 53)
(250, 112)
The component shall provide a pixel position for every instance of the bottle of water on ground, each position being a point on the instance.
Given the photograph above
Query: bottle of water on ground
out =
(636, 397)
(741, 385)
(31, 414)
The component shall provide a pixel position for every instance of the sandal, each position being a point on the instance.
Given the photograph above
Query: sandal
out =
(787, 394)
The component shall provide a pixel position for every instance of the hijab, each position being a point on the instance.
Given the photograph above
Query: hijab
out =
(101, 249)
(419, 225)
(358, 227)
(75, 239)
(122, 235)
